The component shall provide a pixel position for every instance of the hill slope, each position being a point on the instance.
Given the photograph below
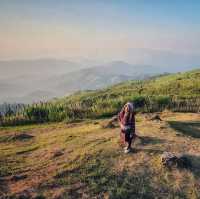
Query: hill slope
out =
(178, 92)
(181, 84)
(84, 160)
(55, 78)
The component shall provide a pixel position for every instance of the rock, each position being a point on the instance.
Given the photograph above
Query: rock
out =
(170, 160)
(156, 117)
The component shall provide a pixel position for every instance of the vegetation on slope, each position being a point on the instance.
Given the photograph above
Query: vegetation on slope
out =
(181, 84)
(178, 92)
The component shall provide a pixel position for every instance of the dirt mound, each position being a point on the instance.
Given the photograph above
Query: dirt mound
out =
(22, 136)
(16, 137)
(112, 123)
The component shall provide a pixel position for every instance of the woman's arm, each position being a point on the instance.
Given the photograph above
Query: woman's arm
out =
(120, 119)
(133, 123)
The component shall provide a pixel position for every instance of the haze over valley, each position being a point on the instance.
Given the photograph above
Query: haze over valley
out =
(27, 81)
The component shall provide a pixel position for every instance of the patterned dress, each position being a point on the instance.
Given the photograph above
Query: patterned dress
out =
(127, 123)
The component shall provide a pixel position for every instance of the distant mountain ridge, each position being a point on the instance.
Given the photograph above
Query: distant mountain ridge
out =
(31, 81)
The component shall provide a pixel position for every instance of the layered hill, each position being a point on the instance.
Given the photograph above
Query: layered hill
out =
(180, 84)
(29, 81)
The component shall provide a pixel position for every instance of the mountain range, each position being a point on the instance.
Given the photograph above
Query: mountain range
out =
(28, 81)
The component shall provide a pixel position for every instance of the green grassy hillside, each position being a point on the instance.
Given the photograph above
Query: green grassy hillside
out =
(178, 92)
(181, 84)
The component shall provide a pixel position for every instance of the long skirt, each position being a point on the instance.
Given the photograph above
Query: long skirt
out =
(126, 137)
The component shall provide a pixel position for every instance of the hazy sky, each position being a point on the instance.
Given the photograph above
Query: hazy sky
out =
(97, 28)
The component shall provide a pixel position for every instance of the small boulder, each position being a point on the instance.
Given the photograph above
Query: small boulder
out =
(156, 117)
(171, 160)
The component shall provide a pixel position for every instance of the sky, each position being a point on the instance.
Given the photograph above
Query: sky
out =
(97, 29)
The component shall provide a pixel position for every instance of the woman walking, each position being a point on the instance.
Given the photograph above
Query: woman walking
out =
(127, 124)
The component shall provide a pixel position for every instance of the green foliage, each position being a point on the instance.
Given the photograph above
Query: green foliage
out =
(179, 92)
(36, 113)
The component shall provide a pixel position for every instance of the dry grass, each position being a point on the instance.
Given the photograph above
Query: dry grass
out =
(84, 160)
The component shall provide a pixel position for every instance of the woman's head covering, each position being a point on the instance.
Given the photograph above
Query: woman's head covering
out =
(128, 115)
(130, 106)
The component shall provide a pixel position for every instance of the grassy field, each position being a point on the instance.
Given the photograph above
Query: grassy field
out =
(85, 160)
